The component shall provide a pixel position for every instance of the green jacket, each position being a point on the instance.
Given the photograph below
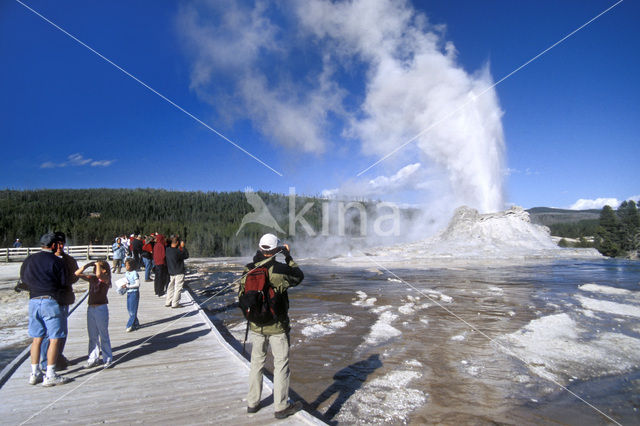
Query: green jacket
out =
(281, 276)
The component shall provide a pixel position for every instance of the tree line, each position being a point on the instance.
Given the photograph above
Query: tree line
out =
(208, 221)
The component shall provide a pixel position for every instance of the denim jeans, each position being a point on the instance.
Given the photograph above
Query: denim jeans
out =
(133, 299)
(148, 264)
(98, 328)
(46, 317)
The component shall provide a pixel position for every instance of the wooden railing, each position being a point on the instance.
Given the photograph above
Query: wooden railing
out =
(82, 252)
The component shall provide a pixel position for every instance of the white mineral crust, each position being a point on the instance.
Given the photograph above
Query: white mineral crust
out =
(470, 236)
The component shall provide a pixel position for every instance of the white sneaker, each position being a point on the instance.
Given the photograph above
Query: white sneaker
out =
(107, 364)
(34, 379)
(91, 364)
(54, 381)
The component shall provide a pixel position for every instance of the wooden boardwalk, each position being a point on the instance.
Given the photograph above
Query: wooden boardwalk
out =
(176, 369)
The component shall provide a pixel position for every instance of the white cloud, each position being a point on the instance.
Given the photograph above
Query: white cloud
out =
(401, 178)
(77, 160)
(408, 177)
(294, 123)
(527, 172)
(236, 50)
(225, 35)
(102, 163)
(598, 203)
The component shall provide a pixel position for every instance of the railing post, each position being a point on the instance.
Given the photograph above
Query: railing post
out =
(88, 252)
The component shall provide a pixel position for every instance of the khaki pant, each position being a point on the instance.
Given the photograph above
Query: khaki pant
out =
(173, 290)
(280, 350)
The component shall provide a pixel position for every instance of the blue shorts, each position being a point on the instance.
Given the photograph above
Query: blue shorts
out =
(46, 317)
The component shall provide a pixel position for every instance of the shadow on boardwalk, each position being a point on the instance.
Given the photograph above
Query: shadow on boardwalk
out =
(168, 319)
(149, 344)
(160, 342)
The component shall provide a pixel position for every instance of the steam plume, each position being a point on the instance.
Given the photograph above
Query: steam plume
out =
(409, 81)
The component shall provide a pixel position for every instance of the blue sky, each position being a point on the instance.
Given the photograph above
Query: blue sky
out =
(320, 92)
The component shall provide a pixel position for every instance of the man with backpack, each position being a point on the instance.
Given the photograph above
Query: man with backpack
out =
(265, 303)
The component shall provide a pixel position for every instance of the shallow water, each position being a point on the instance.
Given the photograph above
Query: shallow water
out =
(457, 345)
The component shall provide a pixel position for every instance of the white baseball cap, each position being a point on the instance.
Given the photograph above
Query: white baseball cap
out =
(268, 242)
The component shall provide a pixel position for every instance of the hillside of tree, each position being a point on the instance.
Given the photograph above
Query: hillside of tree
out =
(549, 216)
(207, 221)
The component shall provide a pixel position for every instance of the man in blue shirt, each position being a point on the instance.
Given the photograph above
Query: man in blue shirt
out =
(44, 274)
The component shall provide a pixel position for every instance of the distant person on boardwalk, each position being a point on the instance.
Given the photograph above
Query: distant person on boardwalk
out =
(130, 244)
(136, 250)
(98, 313)
(125, 242)
(119, 253)
(44, 274)
(161, 275)
(67, 298)
(147, 257)
(17, 243)
(275, 330)
(133, 294)
(175, 255)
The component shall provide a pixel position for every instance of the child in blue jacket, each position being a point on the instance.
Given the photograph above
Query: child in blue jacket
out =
(133, 294)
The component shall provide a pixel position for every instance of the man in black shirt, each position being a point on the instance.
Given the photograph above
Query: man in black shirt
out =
(175, 255)
(66, 299)
(44, 274)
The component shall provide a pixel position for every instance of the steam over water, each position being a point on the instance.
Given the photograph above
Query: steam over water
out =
(366, 348)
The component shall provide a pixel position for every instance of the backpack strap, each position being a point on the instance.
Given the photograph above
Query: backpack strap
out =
(246, 334)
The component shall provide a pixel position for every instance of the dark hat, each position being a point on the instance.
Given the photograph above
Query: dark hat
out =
(60, 237)
(47, 239)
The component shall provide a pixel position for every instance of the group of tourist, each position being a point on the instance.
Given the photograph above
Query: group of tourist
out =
(165, 257)
(50, 273)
